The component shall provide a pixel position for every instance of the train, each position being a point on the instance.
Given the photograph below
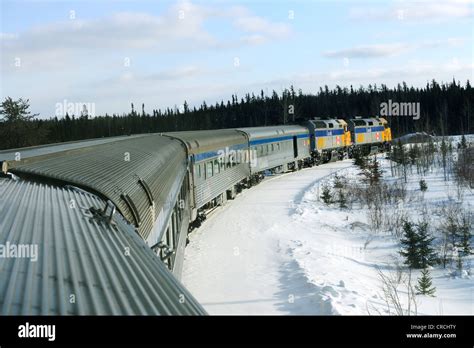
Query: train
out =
(163, 185)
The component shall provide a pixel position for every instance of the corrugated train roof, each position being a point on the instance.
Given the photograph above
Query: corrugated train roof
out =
(209, 140)
(79, 258)
(132, 173)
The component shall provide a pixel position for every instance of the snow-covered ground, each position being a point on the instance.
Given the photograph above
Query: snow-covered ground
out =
(278, 249)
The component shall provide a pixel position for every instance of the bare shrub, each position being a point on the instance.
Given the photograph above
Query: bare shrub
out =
(456, 231)
(393, 296)
(464, 168)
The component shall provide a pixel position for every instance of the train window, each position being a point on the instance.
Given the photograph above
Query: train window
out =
(174, 230)
(169, 234)
(273, 147)
(331, 125)
(222, 163)
(216, 167)
(209, 170)
(266, 151)
(199, 170)
(371, 123)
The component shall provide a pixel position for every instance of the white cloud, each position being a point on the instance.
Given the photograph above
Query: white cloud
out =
(255, 24)
(255, 39)
(368, 51)
(75, 43)
(72, 40)
(8, 36)
(415, 70)
(384, 50)
(420, 10)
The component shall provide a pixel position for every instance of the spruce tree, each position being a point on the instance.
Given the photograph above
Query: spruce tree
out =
(341, 199)
(410, 245)
(425, 285)
(426, 253)
(463, 142)
(326, 195)
(375, 171)
(413, 153)
(372, 172)
(338, 184)
(423, 185)
(360, 160)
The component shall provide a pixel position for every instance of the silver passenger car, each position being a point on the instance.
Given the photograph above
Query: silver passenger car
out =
(279, 147)
(75, 255)
(219, 160)
(144, 177)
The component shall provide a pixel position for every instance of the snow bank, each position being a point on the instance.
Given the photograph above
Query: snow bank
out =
(278, 249)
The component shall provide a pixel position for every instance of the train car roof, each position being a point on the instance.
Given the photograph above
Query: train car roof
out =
(207, 140)
(264, 132)
(318, 123)
(32, 151)
(133, 173)
(365, 120)
(83, 265)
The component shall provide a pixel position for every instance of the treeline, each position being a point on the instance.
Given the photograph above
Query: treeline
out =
(445, 108)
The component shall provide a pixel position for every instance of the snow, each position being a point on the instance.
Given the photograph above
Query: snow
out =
(278, 249)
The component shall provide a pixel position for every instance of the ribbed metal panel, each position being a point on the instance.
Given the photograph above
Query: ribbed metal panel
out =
(273, 131)
(26, 152)
(106, 268)
(209, 140)
(132, 173)
(198, 142)
(285, 154)
(211, 188)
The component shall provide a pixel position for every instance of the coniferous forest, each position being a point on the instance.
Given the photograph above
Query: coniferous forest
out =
(445, 109)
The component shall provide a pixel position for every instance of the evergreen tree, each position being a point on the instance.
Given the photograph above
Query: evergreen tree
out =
(18, 127)
(447, 110)
(372, 172)
(341, 199)
(360, 160)
(423, 185)
(413, 153)
(425, 284)
(338, 184)
(326, 195)
(463, 142)
(410, 245)
(375, 171)
(425, 252)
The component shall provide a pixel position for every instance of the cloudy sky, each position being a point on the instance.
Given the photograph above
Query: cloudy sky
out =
(114, 52)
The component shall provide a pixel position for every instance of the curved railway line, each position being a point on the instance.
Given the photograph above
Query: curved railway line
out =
(109, 218)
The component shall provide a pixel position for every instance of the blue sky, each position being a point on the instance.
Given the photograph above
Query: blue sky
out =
(207, 50)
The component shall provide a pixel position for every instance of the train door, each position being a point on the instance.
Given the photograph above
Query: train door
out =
(192, 177)
(295, 146)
